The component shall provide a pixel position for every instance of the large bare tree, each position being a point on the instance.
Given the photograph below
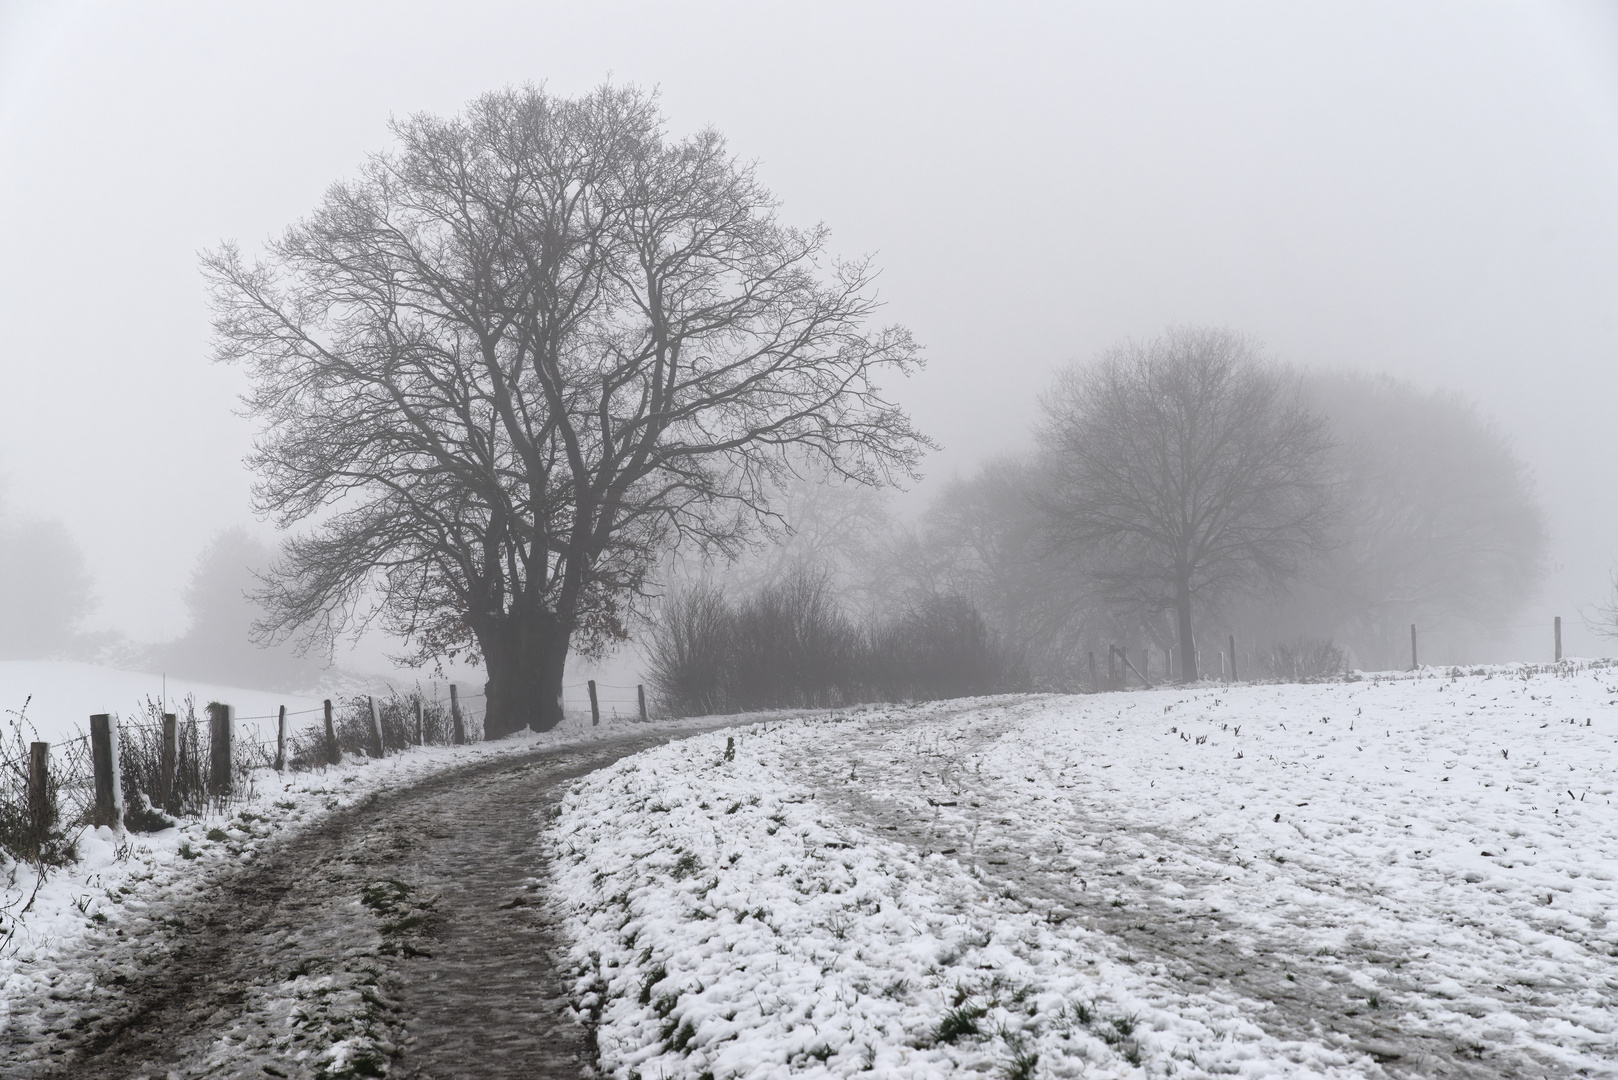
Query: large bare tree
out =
(1189, 467)
(521, 355)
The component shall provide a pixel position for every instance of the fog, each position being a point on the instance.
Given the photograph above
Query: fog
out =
(1426, 191)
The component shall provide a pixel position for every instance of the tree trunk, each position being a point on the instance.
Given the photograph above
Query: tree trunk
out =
(1188, 642)
(524, 654)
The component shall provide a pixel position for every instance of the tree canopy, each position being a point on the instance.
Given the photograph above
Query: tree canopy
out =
(1190, 467)
(524, 353)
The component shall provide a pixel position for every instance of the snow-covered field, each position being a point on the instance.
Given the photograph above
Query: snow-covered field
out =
(61, 695)
(1400, 875)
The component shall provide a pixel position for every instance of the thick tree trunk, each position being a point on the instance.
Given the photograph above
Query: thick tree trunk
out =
(1188, 641)
(524, 655)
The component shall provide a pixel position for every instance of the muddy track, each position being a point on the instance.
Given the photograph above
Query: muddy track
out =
(1294, 998)
(406, 930)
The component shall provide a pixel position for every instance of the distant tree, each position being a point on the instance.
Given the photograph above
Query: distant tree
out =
(514, 362)
(220, 643)
(45, 591)
(1190, 467)
(984, 539)
(1439, 522)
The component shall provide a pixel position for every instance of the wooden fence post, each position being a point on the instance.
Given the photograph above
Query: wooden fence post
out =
(459, 729)
(640, 693)
(1233, 658)
(281, 740)
(41, 815)
(378, 750)
(334, 754)
(1094, 686)
(109, 794)
(421, 730)
(595, 707)
(1559, 639)
(170, 756)
(1413, 664)
(221, 737)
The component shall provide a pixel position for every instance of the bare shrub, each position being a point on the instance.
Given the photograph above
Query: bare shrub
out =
(140, 760)
(688, 649)
(18, 837)
(942, 648)
(1305, 660)
(790, 645)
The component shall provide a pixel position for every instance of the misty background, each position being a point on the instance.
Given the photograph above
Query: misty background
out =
(1425, 192)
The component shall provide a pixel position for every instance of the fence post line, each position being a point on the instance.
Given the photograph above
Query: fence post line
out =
(334, 756)
(1233, 658)
(459, 729)
(221, 734)
(171, 753)
(109, 795)
(1559, 639)
(421, 730)
(40, 817)
(1112, 667)
(640, 694)
(1094, 686)
(281, 740)
(1413, 664)
(595, 707)
(378, 749)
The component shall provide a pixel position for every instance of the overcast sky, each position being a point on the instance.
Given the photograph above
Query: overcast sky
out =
(1429, 190)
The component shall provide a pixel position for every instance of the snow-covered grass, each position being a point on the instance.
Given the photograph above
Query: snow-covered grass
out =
(1359, 872)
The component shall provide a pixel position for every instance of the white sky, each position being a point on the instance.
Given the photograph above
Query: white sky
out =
(1425, 189)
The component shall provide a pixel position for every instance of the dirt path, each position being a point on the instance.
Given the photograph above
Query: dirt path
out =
(1117, 890)
(404, 930)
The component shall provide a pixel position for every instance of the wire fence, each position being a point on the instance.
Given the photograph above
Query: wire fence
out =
(172, 764)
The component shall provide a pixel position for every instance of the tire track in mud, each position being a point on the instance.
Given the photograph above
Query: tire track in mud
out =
(407, 930)
(1291, 996)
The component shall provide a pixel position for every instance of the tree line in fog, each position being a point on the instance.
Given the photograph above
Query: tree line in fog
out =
(1179, 493)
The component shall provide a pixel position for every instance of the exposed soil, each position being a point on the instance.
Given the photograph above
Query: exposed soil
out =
(406, 929)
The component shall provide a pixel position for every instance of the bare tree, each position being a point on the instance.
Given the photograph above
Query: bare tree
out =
(1189, 467)
(1440, 523)
(520, 357)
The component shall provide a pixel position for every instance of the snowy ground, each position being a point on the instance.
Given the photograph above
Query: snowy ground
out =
(1389, 876)
(61, 695)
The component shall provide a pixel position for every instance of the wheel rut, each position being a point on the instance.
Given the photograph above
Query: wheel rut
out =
(1213, 951)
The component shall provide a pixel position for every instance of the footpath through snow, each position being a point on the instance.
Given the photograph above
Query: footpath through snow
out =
(77, 941)
(1406, 876)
